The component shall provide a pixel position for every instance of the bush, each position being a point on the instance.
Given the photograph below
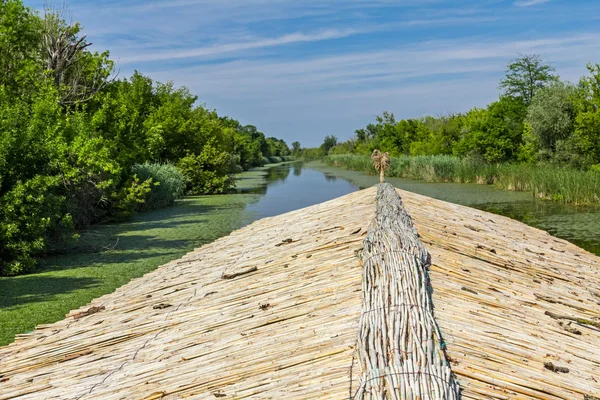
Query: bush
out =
(167, 185)
(31, 214)
(208, 172)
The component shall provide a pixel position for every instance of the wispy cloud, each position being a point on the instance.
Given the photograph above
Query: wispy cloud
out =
(236, 47)
(528, 3)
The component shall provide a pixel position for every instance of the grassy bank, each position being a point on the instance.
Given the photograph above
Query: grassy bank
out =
(108, 256)
(547, 182)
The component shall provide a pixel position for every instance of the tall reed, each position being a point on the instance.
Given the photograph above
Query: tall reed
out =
(566, 185)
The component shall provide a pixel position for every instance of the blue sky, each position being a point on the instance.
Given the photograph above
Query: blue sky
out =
(303, 69)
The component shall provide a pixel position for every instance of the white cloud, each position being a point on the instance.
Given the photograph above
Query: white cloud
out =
(528, 3)
(236, 47)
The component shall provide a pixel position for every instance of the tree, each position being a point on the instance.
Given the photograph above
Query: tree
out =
(525, 75)
(296, 148)
(550, 117)
(20, 33)
(495, 133)
(329, 143)
(587, 120)
(78, 73)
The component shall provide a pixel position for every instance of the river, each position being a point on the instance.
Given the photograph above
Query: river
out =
(297, 185)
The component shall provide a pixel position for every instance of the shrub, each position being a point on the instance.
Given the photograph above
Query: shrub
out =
(208, 172)
(167, 185)
(31, 214)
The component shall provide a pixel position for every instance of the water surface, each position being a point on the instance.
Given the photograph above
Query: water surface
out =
(297, 185)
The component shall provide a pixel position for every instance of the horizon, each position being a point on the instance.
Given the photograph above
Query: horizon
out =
(305, 71)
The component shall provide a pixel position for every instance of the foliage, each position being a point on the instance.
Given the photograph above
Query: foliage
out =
(30, 214)
(78, 148)
(587, 119)
(167, 185)
(207, 172)
(550, 118)
(494, 133)
(525, 76)
(20, 36)
(329, 143)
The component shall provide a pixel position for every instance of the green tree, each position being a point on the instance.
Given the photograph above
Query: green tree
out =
(525, 75)
(550, 117)
(20, 38)
(587, 120)
(494, 134)
(329, 143)
(296, 148)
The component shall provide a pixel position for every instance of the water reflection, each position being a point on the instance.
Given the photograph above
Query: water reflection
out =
(297, 168)
(304, 187)
(330, 178)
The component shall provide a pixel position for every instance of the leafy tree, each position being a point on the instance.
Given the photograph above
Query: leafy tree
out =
(72, 139)
(296, 148)
(525, 75)
(329, 143)
(550, 117)
(207, 172)
(495, 133)
(20, 38)
(587, 120)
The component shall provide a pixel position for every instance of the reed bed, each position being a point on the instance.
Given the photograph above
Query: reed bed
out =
(549, 182)
(272, 312)
(399, 343)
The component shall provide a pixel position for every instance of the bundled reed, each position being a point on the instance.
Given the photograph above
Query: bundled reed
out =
(399, 344)
(272, 311)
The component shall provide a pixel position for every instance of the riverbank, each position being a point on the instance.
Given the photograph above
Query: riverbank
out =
(564, 185)
(108, 256)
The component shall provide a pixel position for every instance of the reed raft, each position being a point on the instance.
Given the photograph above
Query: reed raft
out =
(272, 312)
(399, 343)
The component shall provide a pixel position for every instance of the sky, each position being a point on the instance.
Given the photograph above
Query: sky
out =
(304, 69)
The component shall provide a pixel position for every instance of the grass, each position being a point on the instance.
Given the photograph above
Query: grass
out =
(566, 185)
(111, 255)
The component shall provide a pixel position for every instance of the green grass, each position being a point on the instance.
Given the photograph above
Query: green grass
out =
(108, 256)
(566, 185)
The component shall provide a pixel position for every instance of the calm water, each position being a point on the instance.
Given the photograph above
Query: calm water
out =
(293, 186)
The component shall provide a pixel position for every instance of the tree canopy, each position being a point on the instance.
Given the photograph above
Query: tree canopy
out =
(75, 142)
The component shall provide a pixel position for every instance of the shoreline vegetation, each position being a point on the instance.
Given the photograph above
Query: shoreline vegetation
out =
(108, 256)
(566, 185)
(542, 135)
(80, 146)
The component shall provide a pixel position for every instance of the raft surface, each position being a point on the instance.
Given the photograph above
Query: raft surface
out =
(287, 330)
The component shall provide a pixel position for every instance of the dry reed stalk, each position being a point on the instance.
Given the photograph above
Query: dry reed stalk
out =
(400, 349)
(381, 162)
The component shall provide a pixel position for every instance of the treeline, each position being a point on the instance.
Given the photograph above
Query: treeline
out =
(79, 146)
(538, 119)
